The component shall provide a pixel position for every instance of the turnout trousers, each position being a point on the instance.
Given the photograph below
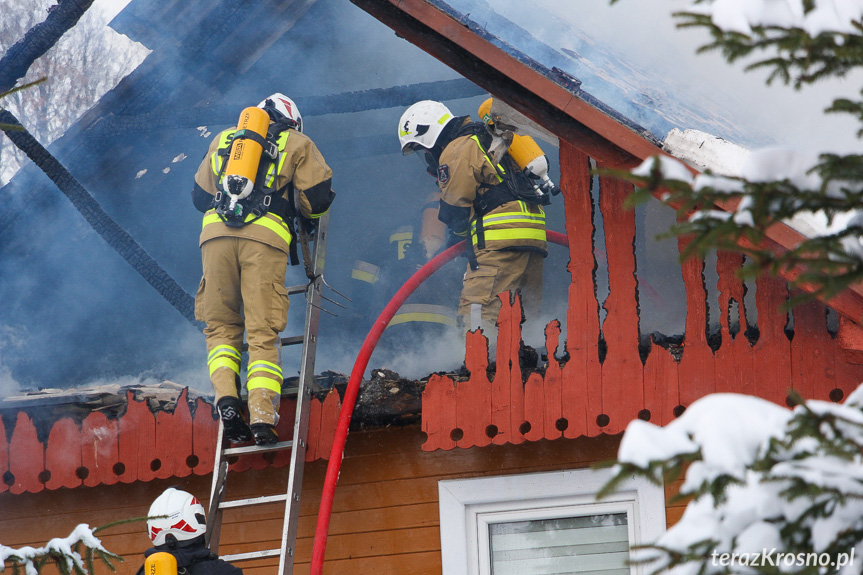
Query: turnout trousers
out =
(243, 291)
(500, 271)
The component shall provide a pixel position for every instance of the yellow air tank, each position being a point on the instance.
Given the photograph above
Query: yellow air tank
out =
(245, 155)
(524, 150)
(160, 563)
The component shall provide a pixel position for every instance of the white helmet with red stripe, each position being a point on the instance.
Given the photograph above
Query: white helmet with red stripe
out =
(176, 514)
(279, 106)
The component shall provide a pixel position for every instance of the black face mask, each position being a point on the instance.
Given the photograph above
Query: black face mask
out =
(431, 164)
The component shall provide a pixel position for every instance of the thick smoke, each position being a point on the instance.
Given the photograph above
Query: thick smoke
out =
(76, 313)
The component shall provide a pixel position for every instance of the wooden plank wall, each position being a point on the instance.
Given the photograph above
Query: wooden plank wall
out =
(385, 515)
(581, 395)
(140, 445)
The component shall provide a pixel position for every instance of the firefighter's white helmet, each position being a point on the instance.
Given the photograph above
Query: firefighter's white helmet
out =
(182, 517)
(421, 125)
(280, 106)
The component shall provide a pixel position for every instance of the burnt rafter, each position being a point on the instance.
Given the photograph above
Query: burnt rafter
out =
(102, 223)
(38, 40)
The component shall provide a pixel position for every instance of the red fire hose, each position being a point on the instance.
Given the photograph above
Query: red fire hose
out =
(353, 388)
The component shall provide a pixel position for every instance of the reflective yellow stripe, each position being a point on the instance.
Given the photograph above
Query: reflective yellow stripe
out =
(316, 216)
(426, 317)
(365, 272)
(513, 234)
(398, 237)
(280, 142)
(265, 383)
(508, 219)
(266, 366)
(215, 158)
(362, 276)
(223, 361)
(278, 227)
(270, 221)
(487, 159)
(224, 350)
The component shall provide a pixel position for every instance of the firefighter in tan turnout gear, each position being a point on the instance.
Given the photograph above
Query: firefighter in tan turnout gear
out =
(246, 242)
(491, 202)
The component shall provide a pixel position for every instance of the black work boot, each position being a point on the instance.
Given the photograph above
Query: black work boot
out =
(231, 413)
(265, 434)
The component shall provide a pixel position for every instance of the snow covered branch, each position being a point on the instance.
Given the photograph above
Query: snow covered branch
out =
(65, 552)
(761, 478)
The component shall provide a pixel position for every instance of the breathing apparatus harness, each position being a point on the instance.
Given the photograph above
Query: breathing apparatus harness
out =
(264, 198)
(514, 184)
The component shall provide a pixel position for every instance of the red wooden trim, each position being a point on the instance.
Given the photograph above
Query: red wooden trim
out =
(63, 456)
(439, 397)
(812, 353)
(174, 439)
(5, 474)
(734, 356)
(473, 397)
(26, 457)
(315, 409)
(697, 365)
(850, 338)
(100, 449)
(552, 392)
(205, 429)
(137, 441)
(329, 421)
(285, 429)
(582, 376)
(534, 408)
(622, 371)
(772, 351)
(507, 409)
(661, 394)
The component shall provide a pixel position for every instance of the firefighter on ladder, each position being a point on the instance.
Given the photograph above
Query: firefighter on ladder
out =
(490, 202)
(245, 246)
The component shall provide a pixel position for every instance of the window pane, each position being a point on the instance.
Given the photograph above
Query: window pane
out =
(592, 544)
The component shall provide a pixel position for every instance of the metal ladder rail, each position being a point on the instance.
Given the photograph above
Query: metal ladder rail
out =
(297, 445)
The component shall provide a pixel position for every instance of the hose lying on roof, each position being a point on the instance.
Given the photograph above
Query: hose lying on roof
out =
(350, 399)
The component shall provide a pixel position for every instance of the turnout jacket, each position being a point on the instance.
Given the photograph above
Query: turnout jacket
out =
(465, 174)
(300, 166)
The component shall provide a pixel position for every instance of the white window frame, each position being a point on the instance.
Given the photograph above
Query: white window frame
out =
(468, 506)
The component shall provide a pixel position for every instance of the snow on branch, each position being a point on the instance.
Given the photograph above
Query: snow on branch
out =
(66, 552)
(760, 477)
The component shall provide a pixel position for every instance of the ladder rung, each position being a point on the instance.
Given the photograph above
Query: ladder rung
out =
(253, 501)
(297, 289)
(293, 340)
(251, 555)
(280, 446)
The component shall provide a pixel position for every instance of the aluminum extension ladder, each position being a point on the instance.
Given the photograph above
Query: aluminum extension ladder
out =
(297, 445)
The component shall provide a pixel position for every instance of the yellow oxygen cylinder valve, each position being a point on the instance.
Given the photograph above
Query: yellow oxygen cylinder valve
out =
(245, 154)
(160, 563)
(525, 152)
